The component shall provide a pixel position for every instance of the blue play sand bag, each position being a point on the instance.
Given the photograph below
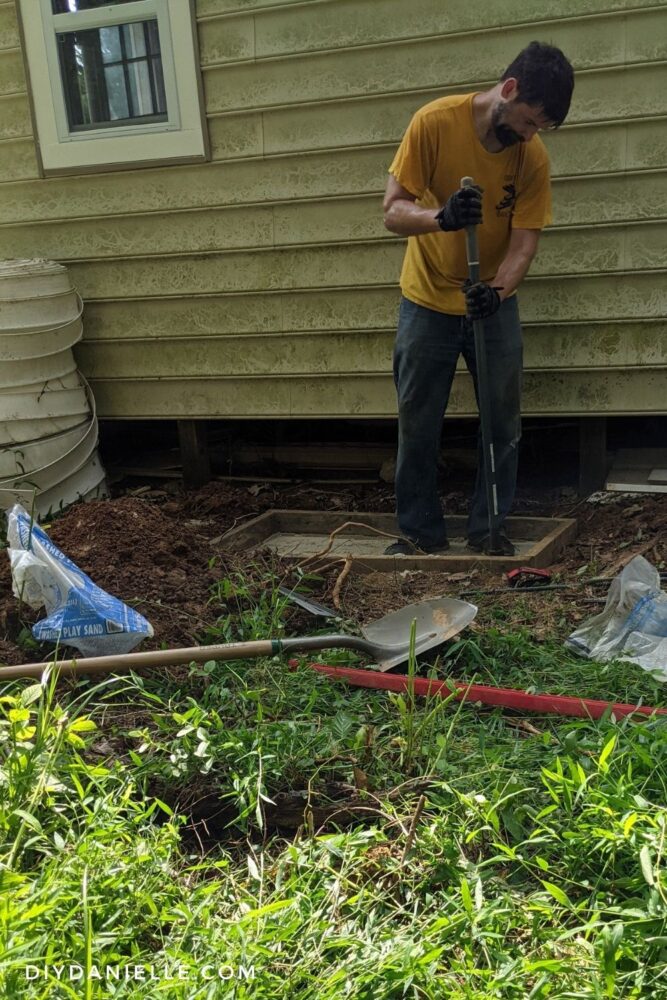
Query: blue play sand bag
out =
(79, 613)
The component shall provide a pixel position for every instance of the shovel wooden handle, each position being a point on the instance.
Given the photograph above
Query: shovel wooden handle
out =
(150, 658)
(195, 654)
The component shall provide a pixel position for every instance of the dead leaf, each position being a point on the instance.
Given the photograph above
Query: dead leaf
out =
(361, 779)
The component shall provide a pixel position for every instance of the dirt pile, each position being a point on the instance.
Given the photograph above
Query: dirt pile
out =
(163, 553)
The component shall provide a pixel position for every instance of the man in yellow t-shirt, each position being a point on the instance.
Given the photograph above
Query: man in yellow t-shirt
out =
(491, 136)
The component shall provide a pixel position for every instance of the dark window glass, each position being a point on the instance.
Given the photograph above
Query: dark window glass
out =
(112, 75)
(72, 6)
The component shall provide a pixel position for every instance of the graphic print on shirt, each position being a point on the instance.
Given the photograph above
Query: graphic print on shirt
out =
(506, 205)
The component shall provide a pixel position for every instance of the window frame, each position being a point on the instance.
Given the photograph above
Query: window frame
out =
(111, 17)
(182, 137)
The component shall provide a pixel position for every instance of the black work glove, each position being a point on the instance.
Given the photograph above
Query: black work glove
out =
(464, 208)
(482, 300)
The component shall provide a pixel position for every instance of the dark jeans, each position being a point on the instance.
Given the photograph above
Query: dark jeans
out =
(428, 345)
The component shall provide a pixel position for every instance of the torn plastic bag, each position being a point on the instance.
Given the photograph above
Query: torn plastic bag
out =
(633, 625)
(79, 613)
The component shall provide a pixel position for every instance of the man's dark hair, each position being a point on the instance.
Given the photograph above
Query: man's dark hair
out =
(545, 79)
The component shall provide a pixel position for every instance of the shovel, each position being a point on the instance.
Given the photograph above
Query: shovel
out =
(386, 642)
(314, 607)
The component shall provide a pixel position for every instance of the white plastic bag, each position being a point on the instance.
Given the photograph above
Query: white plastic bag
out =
(633, 625)
(79, 613)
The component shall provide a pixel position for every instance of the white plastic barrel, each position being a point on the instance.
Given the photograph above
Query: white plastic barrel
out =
(17, 345)
(48, 426)
(15, 459)
(16, 375)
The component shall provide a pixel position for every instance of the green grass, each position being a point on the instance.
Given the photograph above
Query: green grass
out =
(537, 868)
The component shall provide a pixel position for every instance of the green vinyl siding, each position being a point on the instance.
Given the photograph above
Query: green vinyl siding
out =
(263, 283)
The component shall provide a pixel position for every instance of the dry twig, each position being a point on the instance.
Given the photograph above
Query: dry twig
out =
(342, 577)
(320, 568)
(527, 727)
(413, 827)
(337, 531)
(616, 567)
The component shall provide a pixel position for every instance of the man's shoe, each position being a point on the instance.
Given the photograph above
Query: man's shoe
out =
(504, 547)
(404, 547)
(434, 550)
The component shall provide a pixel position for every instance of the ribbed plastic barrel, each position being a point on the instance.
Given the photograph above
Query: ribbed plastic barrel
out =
(48, 426)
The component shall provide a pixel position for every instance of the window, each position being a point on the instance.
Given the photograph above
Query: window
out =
(113, 83)
(112, 76)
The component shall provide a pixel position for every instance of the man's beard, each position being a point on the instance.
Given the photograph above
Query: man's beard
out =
(505, 135)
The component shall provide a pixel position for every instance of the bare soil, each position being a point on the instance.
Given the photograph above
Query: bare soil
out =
(163, 553)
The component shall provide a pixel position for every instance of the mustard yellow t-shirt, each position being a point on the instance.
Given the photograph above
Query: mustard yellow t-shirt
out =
(438, 149)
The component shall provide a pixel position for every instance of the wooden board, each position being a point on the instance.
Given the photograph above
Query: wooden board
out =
(635, 481)
(639, 470)
(302, 533)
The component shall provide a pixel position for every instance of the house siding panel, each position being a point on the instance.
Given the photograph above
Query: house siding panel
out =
(264, 284)
(579, 203)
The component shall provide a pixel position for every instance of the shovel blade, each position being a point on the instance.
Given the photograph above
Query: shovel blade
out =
(436, 621)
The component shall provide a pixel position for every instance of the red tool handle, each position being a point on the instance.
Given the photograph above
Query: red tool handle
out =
(549, 704)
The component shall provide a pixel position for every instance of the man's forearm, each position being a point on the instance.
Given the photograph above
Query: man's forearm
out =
(405, 218)
(511, 273)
